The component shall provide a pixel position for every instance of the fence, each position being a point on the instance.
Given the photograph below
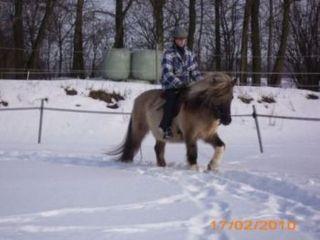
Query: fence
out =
(254, 115)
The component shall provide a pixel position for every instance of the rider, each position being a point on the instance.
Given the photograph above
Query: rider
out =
(179, 69)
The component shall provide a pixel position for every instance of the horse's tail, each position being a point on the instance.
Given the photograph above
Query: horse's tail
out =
(126, 151)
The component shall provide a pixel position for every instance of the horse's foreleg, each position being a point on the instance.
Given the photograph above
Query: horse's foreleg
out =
(159, 149)
(192, 154)
(219, 148)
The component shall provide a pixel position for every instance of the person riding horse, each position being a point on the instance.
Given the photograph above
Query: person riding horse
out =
(179, 69)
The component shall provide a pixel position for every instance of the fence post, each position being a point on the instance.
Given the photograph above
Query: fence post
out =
(41, 120)
(255, 116)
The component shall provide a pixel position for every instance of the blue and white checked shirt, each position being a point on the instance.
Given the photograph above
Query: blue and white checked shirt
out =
(178, 71)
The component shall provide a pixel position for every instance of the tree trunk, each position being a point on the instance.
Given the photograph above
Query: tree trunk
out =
(60, 46)
(119, 21)
(18, 38)
(217, 8)
(78, 63)
(255, 44)
(158, 18)
(279, 64)
(200, 32)
(118, 41)
(192, 23)
(233, 60)
(244, 43)
(33, 59)
(4, 56)
(270, 39)
(60, 57)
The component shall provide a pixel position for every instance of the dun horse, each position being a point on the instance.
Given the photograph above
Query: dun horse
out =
(204, 105)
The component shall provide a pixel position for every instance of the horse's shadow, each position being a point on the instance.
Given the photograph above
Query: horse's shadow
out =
(104, 161)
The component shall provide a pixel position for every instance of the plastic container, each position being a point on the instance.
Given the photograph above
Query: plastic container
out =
(146, 65)
(117, 64)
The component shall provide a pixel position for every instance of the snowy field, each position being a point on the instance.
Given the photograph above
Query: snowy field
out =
(67, 188)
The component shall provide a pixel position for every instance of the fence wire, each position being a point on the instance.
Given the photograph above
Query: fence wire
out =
(254, 115)
(129, 113)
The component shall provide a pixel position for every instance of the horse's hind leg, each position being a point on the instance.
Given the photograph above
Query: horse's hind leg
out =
(159, 149)
(219, 147)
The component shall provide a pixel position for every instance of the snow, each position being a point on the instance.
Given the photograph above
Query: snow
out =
(67, 188)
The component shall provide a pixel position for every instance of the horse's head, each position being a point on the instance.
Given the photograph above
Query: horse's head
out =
(224, 112)
(213, 95)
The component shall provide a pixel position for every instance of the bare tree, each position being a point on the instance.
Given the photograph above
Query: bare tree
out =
(32, 61)
(157, 6)
(217, 33)
(217, 8)
(119, 21)
(192, 23)
(270, 37)
(244, 43)
(200, 30)
(6, 58)
(18, 37)
(229, 18)
(304, 45)
(255, 43)
(63, 26)
(141, 31)
(279, 63)
(78, 63)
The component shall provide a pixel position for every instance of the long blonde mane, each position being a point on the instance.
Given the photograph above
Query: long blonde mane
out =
(213, 90)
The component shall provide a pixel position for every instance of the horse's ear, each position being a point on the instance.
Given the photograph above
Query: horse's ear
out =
(234, 82)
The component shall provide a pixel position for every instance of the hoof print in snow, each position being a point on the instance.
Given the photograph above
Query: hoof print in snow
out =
(312, 96)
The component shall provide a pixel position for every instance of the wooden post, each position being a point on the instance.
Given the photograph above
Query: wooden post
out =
(255, 116)
(40, 121)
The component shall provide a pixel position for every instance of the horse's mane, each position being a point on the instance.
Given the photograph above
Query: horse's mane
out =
(210, 92)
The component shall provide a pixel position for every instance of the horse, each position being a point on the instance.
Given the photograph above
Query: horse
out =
(205, 105)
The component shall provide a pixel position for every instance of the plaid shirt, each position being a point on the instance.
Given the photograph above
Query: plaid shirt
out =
(178, 71)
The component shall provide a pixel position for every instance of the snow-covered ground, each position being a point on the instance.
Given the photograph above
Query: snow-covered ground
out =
(67, 188)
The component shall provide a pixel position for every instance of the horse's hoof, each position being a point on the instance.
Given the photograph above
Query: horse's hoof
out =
(212, 168)
(194, 167)
(161, 164)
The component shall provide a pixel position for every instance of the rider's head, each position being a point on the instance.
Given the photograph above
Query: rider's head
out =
(180, 36)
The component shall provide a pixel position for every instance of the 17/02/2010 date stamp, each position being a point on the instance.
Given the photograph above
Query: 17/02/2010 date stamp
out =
(254, 225)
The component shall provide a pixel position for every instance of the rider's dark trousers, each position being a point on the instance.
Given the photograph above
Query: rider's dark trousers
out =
(170, 107)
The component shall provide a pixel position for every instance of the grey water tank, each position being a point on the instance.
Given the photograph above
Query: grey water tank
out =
(144, 65)
(117, 64)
